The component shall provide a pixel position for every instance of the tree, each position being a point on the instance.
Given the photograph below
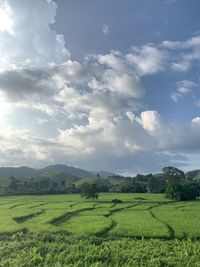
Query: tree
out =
(173, 175)
(14, 184)
(178, 187)
(72, 189)
(130, 185)
(156, 184)
(183, 191)
(63, 184)
(89, 191)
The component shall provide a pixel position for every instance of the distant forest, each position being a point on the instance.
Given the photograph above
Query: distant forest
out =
(57, 179)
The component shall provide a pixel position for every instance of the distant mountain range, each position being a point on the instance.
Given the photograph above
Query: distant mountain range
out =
(27, 172)
(59, 179)
(69, 171)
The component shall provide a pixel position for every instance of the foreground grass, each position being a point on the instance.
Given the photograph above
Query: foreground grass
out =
(56, 250)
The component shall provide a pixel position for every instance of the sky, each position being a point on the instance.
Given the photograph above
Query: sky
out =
(100, 84)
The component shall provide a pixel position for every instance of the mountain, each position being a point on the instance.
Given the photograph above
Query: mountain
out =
(194, 175)
(67, 169)
(18, 172)
(27, 172)
(57, 177)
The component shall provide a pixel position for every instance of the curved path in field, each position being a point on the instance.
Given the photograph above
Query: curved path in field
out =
(6, 203)
(105, 231)
(22, 219)
(21, 204)
(66, 216)
(39, 205)
(169, 227)
(57, 221)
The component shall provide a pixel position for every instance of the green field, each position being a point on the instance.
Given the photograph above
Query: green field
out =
(58, 230)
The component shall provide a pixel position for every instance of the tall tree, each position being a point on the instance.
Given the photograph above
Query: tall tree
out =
(89, 191)
(173, 175)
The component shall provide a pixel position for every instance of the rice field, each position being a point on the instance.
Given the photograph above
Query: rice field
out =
(139, 215)
(66, 230)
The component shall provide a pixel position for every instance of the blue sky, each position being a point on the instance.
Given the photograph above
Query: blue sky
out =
(133, 23)
(102, 85)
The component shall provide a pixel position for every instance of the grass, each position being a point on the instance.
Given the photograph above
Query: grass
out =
(59, 250)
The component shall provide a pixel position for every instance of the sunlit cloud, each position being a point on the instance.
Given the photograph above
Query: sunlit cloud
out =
(6, 14)
(92, 111)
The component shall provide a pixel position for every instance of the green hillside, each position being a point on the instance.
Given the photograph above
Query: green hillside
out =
(27, 172)
(194, 175)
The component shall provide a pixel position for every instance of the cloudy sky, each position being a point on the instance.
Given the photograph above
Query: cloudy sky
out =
(102, 85)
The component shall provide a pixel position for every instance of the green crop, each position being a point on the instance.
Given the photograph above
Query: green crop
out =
(66, 230)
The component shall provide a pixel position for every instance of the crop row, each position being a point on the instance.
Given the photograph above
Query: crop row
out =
(132, 218)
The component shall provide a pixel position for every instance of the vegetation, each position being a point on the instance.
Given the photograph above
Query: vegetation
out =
(148, 222)
(112, 215)
(89, 191)
(56, 180)
(49, 249)
(118, 229)
(177, 185)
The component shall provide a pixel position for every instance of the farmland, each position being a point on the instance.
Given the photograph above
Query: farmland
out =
(70, 231)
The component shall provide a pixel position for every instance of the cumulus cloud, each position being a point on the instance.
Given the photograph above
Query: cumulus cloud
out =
(148, 59)
(130, 139)
(6, 23)
(88, 113)
(24, 83)
(150, 120)
(26, 38)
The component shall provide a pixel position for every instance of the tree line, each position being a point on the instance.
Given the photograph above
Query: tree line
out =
(172, 181)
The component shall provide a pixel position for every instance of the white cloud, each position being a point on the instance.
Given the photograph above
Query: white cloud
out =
(188, 53)
(175, 96)
(150, 120)
(184, 87)
(36, 43)
(124, 84)
(6, 22)
(86, 113)
(106, 29)
(115, 60)
(196, 121)
(181, 66)
(148, 59)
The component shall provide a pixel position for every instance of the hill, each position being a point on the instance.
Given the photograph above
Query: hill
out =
(27, 172)
(80, 173)
(18, 172)
(194, 175)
